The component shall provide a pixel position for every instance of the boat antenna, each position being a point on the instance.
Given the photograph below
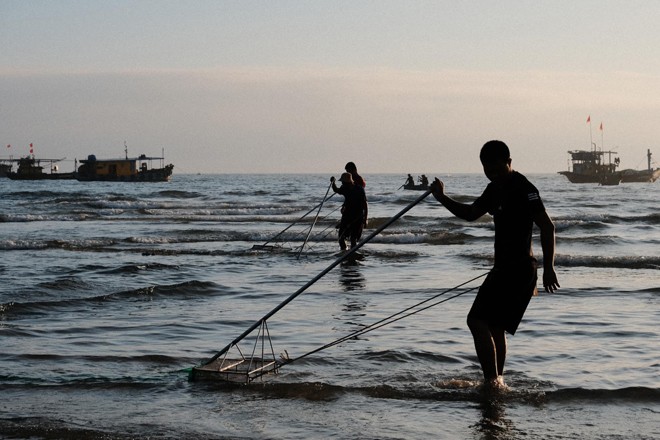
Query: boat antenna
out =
(591, 138)
(125, 150)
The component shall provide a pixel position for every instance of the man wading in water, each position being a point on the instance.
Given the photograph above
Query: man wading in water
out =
(354, 212)
(502, 299)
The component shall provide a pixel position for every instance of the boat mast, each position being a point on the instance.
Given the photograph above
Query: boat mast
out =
(648, 158)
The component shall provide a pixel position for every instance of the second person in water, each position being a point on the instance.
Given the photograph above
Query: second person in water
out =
(354, 211)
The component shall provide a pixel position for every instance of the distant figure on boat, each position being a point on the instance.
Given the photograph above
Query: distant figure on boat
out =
(501, 302)
(410, 183)
(354, 212)
(357, 179)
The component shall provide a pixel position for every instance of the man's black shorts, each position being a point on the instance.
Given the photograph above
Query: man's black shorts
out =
(503, 297)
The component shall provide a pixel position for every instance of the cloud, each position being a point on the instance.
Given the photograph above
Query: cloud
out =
(311, 119)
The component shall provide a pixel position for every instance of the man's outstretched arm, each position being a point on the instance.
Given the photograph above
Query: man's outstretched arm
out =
(460, 210)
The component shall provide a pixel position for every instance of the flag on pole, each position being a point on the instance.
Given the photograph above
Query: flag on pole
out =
(588, 119)
(31, 149)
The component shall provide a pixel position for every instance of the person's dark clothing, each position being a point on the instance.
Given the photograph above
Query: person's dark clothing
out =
(513, 205)
(353, 215)
(508, 288)
(359, 180)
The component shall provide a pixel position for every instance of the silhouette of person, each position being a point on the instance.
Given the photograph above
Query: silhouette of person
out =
(502, 299)
(354, 212)
(357, 179)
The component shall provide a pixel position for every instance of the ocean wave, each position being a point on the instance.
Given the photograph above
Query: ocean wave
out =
(597, 221)
(134, 268)
(618, 262)
(62, 217)
(605, 396)
(434, 238)
(449, 389)
(20, 218)
(406, 357)
(180, 194)
(185, 290)
(35, 244)
(594, 240)
(64, 284)
(54, 428)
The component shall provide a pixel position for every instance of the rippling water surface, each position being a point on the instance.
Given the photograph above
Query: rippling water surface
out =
(111, 292)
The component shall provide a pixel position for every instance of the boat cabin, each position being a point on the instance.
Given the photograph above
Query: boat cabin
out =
(130, 168)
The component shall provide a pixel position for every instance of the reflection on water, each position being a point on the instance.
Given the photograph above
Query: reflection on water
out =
(351, 278)
(494, 425)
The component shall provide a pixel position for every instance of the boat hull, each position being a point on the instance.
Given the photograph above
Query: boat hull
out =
(87, 174)
(41, 176)
(416, 187)
(628, 176)
(580, 178)
(147, 177)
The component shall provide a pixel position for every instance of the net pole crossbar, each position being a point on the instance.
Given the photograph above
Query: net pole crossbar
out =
(319, 276)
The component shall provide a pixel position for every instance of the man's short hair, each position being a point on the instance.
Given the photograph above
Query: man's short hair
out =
(494, 151)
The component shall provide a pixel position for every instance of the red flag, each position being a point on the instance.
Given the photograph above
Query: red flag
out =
(31, 149)
(588, 119)
(601, 126)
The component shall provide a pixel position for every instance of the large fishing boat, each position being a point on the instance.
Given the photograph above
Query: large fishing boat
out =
(597, 166)
(129, 169)
(647, 175)
(592, 167)
(30, 168)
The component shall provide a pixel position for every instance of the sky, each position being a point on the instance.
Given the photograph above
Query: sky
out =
(305, 86)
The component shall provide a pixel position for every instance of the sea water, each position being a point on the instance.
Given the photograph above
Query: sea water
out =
(111, 292)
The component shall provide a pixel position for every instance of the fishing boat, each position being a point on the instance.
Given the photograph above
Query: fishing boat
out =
(4, 169)
(410, 184)
(591, 166)
(30, 168)
(419, 187)
(129, 169)
(647, 175)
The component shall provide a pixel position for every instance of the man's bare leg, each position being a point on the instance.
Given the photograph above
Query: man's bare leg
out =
(485, 347)
(499, 338)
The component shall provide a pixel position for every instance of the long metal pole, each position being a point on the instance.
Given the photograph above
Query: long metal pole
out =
(320, 275)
